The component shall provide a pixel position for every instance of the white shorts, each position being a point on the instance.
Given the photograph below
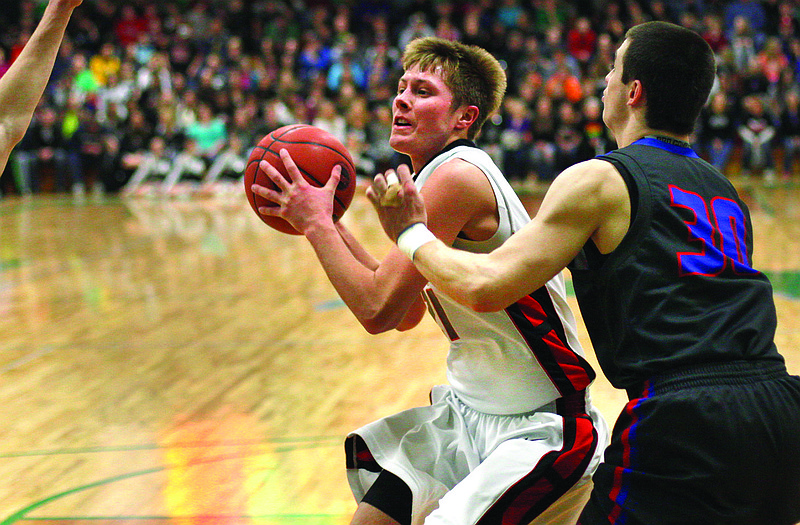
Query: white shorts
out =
(464, 466)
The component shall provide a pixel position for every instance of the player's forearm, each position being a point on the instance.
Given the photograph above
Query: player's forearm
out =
(356, 284)
(466, 277)
(24, 82)
(487, 282)
(358, 251)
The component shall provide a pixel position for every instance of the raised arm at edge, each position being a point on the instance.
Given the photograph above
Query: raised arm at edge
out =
(23, 84)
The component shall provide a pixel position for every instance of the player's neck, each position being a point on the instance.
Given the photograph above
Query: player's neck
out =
(635, 128)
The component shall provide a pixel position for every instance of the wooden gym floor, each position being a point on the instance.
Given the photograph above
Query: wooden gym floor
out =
(176, 361)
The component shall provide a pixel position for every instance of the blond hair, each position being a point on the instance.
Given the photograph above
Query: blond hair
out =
(471, 73)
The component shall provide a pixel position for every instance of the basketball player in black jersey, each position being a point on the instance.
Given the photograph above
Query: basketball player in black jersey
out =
(660, 249)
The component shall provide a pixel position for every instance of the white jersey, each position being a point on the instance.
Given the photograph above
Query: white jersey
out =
(525, 356)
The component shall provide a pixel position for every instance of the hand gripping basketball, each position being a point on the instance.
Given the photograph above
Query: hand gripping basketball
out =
(315, 152)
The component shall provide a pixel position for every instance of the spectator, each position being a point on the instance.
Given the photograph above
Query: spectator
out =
(446, 29)
(595, 132)
(474, 32)
(379, 128)
(314, 58)
(155, 74)
(72, 135)
(564, 81)
(772, 61)
(130, 151)
(550, 13)
(23, 162)
(167, 125)
(794, 57)
(129, 26)
(189, 162)
(714, 34)
(718, 131)
(515, 137)
(788, 24)
(544, 136)
(789, 131)
(381, 61)
(757, 134)
(329, 119)
(417, 27)
(228, 166)
(581, 40)
(46, 145)
(95, 155)
(346, 69)
(510, 14)
(570, 142)
(750, 10)
(743, 44)
(84, 84)
(155, 165)
(117, 93)
(105, 63)
(208, 131)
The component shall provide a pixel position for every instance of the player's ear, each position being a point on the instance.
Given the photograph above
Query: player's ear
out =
(636, 94)
(467, 116)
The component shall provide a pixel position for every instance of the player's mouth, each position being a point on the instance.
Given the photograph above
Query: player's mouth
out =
(401, 123)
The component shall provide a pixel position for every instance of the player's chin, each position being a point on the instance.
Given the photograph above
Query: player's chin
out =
(398, 140)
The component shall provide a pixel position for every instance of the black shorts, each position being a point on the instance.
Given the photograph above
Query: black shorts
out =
(711, 445)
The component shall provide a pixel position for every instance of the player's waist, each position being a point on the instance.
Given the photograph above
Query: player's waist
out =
(739, 372)
(573, 404)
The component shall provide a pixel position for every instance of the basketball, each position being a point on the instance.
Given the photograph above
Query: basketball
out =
(316, 152)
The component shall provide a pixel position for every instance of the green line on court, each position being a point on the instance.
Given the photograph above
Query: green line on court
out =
(314, 519)
(301, 442)
(21, 514)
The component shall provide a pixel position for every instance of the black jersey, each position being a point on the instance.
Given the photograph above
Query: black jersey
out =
(680, 289)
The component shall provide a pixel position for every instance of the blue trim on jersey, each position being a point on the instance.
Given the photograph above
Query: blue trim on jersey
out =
(666, 146)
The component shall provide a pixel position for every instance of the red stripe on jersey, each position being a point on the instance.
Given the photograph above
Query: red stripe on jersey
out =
(532, 310)
(569, 361)
(568, 371)
(364, 455)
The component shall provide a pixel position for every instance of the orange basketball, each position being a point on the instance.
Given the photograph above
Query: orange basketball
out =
(315, 152)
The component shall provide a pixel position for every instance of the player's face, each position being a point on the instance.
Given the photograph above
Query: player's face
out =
(423, 119)
(615, 94)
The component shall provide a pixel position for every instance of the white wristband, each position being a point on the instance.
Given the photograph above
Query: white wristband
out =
(413, 237)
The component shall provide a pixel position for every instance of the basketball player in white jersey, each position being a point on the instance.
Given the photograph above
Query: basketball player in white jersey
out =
(512, 438)
(22, 85)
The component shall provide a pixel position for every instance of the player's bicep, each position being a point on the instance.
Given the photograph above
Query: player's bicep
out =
(573, 209)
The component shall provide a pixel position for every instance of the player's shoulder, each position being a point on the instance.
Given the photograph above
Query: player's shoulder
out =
(594, 181)
(457, 170)
(459, 187)
(588, 173)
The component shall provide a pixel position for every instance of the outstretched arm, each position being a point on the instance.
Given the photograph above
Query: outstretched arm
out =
(587, 201)
(24, 82)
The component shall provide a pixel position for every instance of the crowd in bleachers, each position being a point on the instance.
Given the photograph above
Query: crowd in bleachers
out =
(173, 91)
